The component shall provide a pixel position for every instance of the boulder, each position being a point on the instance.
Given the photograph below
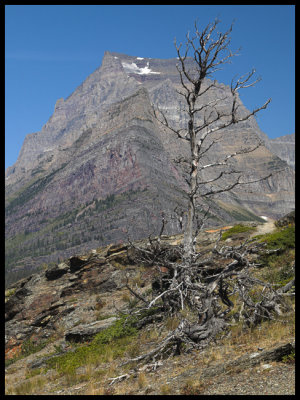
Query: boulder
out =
(77, 262)
(86, 332)
(56, 272)
(14, 304)
(286, 220)
(12, 308)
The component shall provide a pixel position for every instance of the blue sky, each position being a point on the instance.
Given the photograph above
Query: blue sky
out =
(50, 50)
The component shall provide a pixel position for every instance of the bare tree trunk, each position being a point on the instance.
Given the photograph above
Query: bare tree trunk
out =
(188, 232)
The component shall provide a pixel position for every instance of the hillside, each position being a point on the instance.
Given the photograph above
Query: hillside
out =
(66, 332)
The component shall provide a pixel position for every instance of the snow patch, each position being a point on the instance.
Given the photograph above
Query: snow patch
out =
(263, 217)
(134, 69)
(139, 58)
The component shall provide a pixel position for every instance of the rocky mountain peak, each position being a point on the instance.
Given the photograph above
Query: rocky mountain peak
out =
(102, 165)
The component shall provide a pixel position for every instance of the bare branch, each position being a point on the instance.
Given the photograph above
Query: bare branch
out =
(166, 124)
(162, 294)
(233, 185)
(137, 295)
(242, 82)
(246, 150)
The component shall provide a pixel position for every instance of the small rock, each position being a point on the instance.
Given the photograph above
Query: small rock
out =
(19, 336)
(266, 366)
(116, 248)
(253, 355)
(41, 320)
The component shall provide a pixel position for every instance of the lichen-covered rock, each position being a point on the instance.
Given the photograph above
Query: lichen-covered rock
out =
(286, 219)
(82, 333)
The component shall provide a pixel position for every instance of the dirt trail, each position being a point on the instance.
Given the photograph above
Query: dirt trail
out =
(261, 229)
(264, 228)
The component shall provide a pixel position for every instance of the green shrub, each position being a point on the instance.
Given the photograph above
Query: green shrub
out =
(282, 238)
(30, 347)
(278, 266)
(111, 342)
(237, 229)
(289, 359)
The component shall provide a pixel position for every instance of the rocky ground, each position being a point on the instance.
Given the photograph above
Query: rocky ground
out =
(63, 308)
(187, 374)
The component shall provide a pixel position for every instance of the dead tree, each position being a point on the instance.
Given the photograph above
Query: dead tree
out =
(210, 50)
(200, 294)
(202, 284)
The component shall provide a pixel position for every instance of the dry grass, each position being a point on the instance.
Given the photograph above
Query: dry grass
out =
(137, 280)
(193, 387)
(29, 386)
(242, 340)
(172, 323)
(142, 380)
(94, 379)
(165, 389)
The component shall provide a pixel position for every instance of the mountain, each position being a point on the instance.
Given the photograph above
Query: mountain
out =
(103, 168)
(284, 147)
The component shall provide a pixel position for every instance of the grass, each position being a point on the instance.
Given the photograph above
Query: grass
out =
(95, 370)
(165, 389)
(277, 267)
(192, 388)
(107, 345)
(9, 293)
(29, 386)
(267, 333)
(142, 380)
(289, 359)
(236, 230)
(281, 238)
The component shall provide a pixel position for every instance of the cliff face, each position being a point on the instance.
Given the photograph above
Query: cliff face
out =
(102, 167)
(284, 147)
